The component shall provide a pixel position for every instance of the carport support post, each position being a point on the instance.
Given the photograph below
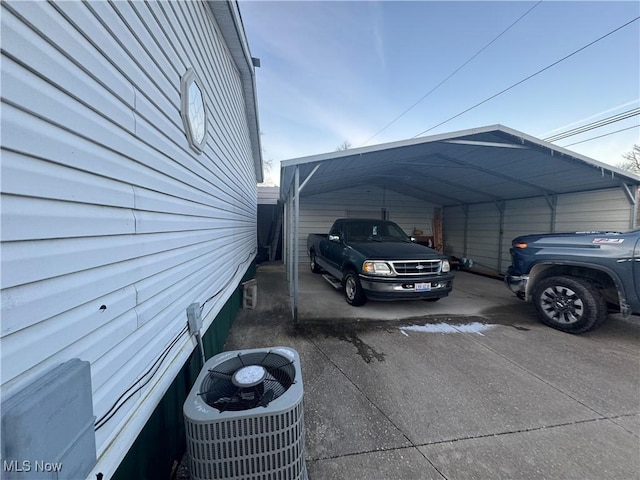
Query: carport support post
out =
(289, 245)
(552, 200)
(632, 195)
(296, 243)
(465, 209)
(501, 208)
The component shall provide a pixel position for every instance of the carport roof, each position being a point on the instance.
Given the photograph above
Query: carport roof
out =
(486, 164)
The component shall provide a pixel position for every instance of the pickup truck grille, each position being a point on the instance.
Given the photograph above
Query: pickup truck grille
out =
(417, 267)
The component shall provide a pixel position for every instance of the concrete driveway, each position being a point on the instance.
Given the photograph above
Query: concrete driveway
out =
(470, 387)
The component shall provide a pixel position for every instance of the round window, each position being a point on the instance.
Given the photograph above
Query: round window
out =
(194, 116)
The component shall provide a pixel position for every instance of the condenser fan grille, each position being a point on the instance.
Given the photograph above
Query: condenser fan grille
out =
(247, 381)
(244, 417)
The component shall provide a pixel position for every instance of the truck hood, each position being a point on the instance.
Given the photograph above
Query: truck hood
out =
(395, 251)
(572, 239)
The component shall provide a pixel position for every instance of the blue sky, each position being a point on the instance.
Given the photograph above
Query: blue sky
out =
(336, 71)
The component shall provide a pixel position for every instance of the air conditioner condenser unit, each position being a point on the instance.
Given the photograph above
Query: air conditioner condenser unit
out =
(244, 417)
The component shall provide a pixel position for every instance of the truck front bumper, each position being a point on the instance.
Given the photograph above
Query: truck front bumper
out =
(517, 283)
(376, 288)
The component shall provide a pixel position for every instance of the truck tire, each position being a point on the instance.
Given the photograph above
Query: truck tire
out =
(315, 268)
(353, 289)
(570, 304)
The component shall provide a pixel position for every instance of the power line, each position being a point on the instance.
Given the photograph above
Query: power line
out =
(600, 136)
(450, 75)
(590, 117)
(597, 124)
(529, 77)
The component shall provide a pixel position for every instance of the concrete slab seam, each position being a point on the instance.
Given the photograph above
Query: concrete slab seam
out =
(477, 340)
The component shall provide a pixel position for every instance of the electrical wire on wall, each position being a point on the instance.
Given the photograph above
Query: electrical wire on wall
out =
(155, 366)
(251, 254)
(137, 386)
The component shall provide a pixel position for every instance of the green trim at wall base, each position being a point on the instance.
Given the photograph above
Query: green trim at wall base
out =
(161, 444)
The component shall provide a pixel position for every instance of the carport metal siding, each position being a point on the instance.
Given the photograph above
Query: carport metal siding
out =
(474, 231)
(477, 176)
(601, 210)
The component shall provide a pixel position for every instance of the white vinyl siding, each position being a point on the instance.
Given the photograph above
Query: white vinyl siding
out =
(318, 212)
(111, 224)
(268, 195)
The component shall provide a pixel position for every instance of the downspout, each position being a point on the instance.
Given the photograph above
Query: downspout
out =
(634, 209)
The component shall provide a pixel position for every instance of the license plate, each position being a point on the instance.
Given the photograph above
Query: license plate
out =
(423, 287)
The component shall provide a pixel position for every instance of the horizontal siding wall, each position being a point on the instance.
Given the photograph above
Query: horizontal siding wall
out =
(601, 210)
(268, 195)
(453, 230)
(482, 245)
(318, 212)
(111, 224)
(595, 210)
(531, 215)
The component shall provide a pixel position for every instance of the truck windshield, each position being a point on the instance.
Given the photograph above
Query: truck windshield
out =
(373, 231)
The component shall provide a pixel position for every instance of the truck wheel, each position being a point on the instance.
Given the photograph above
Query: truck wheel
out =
(570, 304)
(315, 268)
(353, 290)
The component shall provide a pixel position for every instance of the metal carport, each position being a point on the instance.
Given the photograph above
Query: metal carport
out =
(488, 165)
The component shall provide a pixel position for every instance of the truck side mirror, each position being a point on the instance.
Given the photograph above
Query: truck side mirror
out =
(334, 238)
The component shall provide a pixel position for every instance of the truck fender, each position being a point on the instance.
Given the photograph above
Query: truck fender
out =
(545, 269)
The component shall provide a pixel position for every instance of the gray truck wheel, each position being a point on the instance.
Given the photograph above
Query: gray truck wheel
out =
(315, 268)
(353, 290)
(570, 304)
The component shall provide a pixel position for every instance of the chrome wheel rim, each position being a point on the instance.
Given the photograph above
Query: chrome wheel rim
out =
(562, 305)
(350, 288)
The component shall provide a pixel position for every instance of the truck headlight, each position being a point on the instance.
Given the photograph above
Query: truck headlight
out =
(377, 268)
(445, 266)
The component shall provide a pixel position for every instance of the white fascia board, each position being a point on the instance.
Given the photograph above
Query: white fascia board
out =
(228, 18)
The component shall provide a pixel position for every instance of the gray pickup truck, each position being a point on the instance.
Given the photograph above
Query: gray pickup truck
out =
(375, 259)
(574, 280)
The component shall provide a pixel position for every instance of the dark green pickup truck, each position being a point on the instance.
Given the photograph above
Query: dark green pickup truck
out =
(375, 259)
(575, 279)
